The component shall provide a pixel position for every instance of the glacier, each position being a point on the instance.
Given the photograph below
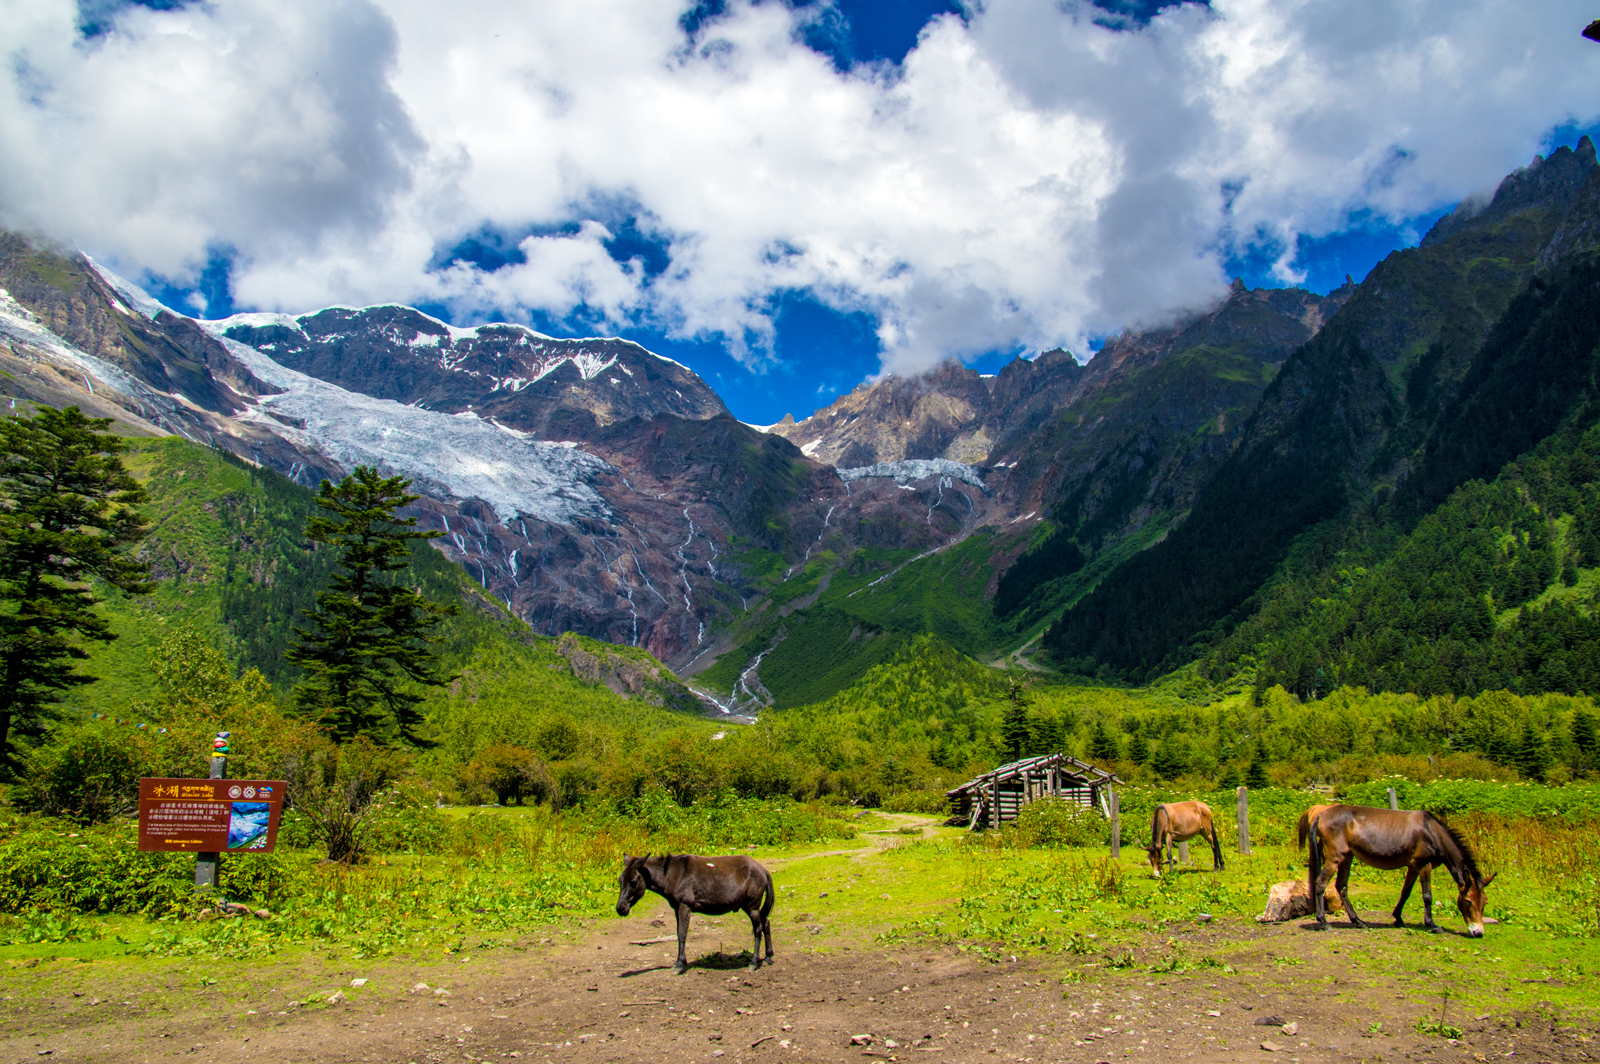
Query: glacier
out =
(460, 456)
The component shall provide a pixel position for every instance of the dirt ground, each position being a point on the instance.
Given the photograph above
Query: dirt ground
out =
(607, 993)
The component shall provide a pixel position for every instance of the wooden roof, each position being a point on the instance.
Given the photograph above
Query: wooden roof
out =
(1064, 762)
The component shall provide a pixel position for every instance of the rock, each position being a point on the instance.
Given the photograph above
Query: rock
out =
(1292, 898)
(861, 1039)
(1272, 1047)
(263, 914)
(440, 991)
(337, 998)
(419, 988)
(1268, 1021)
(1291, 1029)
(358, 982)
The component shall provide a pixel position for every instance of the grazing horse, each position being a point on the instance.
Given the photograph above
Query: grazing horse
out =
(710, 885)
(1394, 838)
(1180, 822)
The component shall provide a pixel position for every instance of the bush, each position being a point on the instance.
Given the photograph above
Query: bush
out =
(933, 802)
(1053, 823)
(1573, 804)
(89, 778)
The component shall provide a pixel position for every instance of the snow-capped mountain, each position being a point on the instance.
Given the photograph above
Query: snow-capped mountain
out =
(557, 389)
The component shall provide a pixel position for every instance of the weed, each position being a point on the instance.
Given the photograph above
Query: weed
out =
(1428, 1025)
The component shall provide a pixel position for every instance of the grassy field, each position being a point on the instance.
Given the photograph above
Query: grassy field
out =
(518, 880)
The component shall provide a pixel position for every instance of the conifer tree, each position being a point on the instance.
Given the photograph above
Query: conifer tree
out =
(370, 633)
(1255, 776)
(1014, 728)
(68, 513)
(1102, 746)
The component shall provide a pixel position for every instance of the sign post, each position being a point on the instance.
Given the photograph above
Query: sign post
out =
(207, 865)
(210, 817)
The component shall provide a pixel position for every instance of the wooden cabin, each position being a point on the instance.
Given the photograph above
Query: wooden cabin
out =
(998, 796)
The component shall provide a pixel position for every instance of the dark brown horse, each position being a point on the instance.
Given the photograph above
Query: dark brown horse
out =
(709, 885)
(1180, 822)
(1394, 838)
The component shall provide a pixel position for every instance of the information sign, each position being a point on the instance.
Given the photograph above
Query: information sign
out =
(209, 816)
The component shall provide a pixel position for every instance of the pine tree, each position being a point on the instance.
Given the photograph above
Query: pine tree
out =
(1102, 747)
(1014, 727)
(370, 633)
(1166, 761)
(1584, 738)
(1255, 776)
(67, 516)
(1533, 755)
(1047, 735)
(1139, 749)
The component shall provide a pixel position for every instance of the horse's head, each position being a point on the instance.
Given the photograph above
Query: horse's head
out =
(1154, 853)
(1471, 903)
(631, 884)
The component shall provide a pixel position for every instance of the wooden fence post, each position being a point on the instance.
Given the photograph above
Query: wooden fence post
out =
(1116, 824)
(1394, 799)
(1244, 820)
(1183, 852)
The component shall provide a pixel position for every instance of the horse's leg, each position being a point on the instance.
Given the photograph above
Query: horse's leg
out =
(1405, 893)
(1320, 870)
(1427, 898)
(1342, 884)
(754, 913)
(683, 938)
(766, 927)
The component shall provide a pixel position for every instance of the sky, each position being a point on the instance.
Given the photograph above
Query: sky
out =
(789, 196)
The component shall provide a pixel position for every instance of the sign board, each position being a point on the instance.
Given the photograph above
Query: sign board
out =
(210, 816)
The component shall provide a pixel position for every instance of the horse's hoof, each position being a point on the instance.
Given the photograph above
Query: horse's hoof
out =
(679, 969)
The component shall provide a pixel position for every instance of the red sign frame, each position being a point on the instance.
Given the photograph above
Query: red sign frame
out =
(210, 816)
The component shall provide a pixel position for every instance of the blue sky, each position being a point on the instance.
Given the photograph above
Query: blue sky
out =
(787, 195)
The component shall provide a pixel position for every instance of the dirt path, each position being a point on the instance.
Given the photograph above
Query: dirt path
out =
(601, 995)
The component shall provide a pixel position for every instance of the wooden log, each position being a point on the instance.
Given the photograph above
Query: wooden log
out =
(1116, 825)
(1244, 820)
(1394, 799)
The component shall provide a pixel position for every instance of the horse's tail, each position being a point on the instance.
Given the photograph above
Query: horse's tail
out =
(1216, 844)
(1315, 841)
(1305, 827)
(767, 898)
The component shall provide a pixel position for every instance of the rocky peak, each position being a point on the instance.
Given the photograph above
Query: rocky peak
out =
(1551, 183)
(554, 388)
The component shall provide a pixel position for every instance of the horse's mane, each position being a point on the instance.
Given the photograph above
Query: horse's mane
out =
(1469, 860)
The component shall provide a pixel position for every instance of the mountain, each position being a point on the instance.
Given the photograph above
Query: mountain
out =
(1386, 406)
(555, 389)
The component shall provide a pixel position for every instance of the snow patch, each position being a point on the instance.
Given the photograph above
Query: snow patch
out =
(914, 469)
(141, 300)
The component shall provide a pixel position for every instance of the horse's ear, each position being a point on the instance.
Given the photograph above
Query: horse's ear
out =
(1490, 880)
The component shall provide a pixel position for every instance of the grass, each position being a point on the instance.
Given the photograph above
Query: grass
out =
(513, 879)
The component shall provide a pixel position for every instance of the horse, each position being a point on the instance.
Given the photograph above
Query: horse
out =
(1180, 822)
(709, 885)
(1388, 839)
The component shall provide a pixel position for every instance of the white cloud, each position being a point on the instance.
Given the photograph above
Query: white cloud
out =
(1027, 177)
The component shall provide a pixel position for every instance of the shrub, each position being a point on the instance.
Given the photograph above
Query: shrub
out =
(88, 778)
(917, 802)
(1053, 823)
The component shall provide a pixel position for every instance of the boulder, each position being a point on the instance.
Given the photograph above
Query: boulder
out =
(1292, 898)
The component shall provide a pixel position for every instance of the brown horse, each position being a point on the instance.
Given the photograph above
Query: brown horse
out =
(1393, 838)
(1180, 822)
(709, 885)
